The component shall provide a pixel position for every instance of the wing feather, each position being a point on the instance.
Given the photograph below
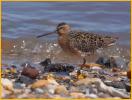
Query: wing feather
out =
(85, 42)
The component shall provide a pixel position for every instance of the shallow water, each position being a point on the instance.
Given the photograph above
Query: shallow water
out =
(23, 21)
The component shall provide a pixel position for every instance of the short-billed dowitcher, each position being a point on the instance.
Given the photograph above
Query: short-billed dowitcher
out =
(77, 42)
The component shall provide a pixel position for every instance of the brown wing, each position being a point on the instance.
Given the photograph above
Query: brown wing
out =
(86, 42)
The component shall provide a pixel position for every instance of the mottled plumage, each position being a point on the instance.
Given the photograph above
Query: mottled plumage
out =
(88, 42)
(77, 42)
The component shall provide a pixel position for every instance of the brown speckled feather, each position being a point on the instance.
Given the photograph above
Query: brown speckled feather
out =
(88, 42)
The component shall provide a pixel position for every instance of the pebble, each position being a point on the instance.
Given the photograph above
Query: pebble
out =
(108, 62)
(74, 89)
(61, 89)
(57, 97)
(18, 85)
(7, 84)
(30, 72)
(94, 90)
(23, 85)
(129, 74)
(5, 92)
(77, 95)
(96, 68)
(84, 82)
(22, 96)
(46, 62)
(27, 90)
(26, 80)
(67, 85)
(115, 84)
(103, 95)
(114, 61)
(39, 91)
(92, 96)
(127, 87)
(39, 84)
(50, 84)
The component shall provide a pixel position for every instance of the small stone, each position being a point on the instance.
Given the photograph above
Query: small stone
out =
(127, 87)
(91, 65)
(77, 95)
(114, 61)
(46, 62)
(61, 90)
(30, 95)
(108, 62)
(86, 81)
(129, 74)
(39, 84)
(46, 95)
(5, 93)
(115, 84)
(51, 88)
(18, 85)
(116, 97)
(7, 84)
(96, 68)
(27, 90)
(103, 95)
(39, 91)
(23, 85)
(26, 80)
(30, 72)
(94, 90)
(49, 84)
(22, 96)
(74, 89)
(92, 96)
(18, 91)
(57, 97)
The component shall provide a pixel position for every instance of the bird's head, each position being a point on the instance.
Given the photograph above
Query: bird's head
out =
(61, 29)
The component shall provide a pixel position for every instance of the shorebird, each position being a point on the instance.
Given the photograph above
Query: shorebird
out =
(78, 42)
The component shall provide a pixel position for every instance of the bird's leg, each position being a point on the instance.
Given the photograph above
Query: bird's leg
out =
(90, 56)
(84, 61)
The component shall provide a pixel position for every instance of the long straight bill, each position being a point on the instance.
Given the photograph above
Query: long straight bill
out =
(46, 34)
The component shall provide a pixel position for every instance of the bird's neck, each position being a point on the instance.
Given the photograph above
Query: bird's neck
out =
(63, 38)
(63, 41)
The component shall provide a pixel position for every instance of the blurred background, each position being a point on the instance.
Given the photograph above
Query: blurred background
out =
(23, 21)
